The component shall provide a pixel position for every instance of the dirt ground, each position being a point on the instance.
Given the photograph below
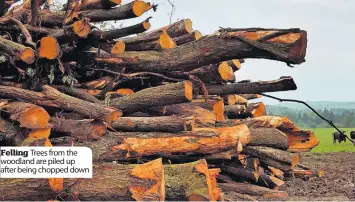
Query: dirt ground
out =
(338, 184)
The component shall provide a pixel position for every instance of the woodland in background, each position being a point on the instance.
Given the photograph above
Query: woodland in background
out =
(344, 118)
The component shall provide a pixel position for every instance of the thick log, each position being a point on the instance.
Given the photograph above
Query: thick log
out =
(256, 109)
(10, 133)
(79, 129)
(150, 124)
(90, 110)
(282, 160)
(122, 32)
(193, 36)
(49, 48)
(235, 111)
(282, 84)
(289, 47)
(254, 190)
(175, 29)
(157, 41)
(17, 50)
(235, 99)
(268, 137)
(252, 110)
(156, 96)
(78, 93)
(126, 182)
(75, 31)
(27, 115)
(126, 11)
(203, 117)
(215, 104)
(299, 140)
(253, 177)
(250, 96)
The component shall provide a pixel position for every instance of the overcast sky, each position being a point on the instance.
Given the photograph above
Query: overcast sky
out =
(327, 74)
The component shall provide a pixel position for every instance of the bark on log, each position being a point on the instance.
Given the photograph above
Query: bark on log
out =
(156, 96)
(282, 84)
(10, 133)
(254, 190)
(193, 36)
(298, 140)
(78, 93)
(90, 110)
(289, 48)
(269, 137)
(154, 124)
(99, 4)
(158, 41)
(79, 129)
(17, 50)
(215, 104)
(126, 182)
(122, 32)
(253, 177)
(282, 160)
(250, 96)
(203, 117)
(127, 11)
(75, 31)
(28, 115)
(175, 29)
(235, 111)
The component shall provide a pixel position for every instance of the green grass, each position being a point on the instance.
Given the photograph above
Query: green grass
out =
(324, 135)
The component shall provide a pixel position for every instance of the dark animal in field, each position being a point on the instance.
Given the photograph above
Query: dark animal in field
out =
(339, 136)
(352, 134)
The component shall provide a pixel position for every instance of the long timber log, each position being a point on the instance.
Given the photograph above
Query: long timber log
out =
(289, 47)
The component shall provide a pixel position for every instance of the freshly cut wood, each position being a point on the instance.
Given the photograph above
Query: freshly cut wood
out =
(214, 73)
(282, 160)
(78, 93)
(28, 115)
(253, 177)
(150, 124)
(122, 32)
(191, 181)
(203, 117)
(234, 64)
(282, 84)
(19, 51)
(79, 129)
(175, 29)
(276, 172)
(251, 96)
(126, 182)
(190, 56)
(49, 48)
(160, 40)
(215, 104)
(235, 99)
(155, 96)
(256, 109)
(79, 29)
(193, 36)
(90, 110)
(10, 133)
(253, 190)
(115, 47)
(126, 11)
(298, 140)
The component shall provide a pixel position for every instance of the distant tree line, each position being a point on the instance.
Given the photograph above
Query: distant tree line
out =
(344, 118)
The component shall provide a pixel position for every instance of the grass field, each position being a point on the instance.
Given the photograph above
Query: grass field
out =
(324, 135)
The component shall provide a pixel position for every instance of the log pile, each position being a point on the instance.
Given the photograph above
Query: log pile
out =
(163, 104)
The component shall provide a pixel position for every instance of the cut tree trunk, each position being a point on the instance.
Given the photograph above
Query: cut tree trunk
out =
(99, 4)
(235, 111)
(193, 36)
(268, 137)
(158, 41)
(122, 32)
(256, 109)
(110, 182)
(28, 115)
(17, 50)
(175, 29)
(79, 29)
(214, 104)
(78, 93)
(282, 160)
(154, 124)
(289, 48)
(49, 48)
(253, 177)
(282, 84)
(79, 129)
(235, 99)
(155, 96)
(203, 117)
(254, 190)
(90, 110)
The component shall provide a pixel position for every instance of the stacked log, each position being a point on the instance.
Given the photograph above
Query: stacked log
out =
(167, 97)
